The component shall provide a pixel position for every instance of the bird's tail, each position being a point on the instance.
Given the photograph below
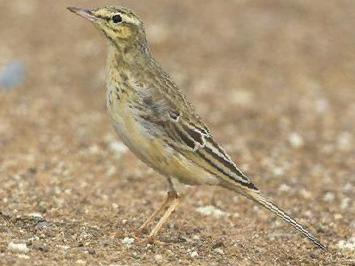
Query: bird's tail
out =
(256, 196)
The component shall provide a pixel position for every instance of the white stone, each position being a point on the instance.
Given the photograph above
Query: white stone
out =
(158, 258)
(338, 216)
(296, 140)
(128, 241)
(63, 247)
(219, 251)
(36, 215)
(196, 237)
(345, 203)
(194, 254)
(305, 193)
(284, 188)
(118, 148)
(308, 213)
(111, 171)
(329, 197)
(212, 211)
(23, 256)
(348, 187)
(236, 215)
(17, 247)
(94, 149)
(347, 244)
(278, 171)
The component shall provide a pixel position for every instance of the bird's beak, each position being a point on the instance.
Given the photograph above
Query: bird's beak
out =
(85, 13)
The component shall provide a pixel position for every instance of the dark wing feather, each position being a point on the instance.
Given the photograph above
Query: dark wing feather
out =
(184, 131)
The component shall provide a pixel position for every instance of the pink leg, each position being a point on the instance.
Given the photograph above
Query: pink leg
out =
(173, 202)
(167, 202)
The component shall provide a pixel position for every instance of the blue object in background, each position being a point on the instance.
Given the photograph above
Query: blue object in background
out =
(12, 75)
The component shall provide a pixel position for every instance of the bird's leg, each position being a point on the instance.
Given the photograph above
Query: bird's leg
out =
(172, 194)
(155, 213)
(173, 202)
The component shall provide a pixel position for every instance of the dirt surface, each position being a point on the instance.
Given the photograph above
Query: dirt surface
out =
(273, 79)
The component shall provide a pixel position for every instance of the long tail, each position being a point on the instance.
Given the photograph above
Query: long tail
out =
(256, 196)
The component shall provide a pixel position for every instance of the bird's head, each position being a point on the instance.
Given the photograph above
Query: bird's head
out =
(120, 25)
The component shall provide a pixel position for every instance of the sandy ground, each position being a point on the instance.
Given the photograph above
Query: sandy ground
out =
(273, 79)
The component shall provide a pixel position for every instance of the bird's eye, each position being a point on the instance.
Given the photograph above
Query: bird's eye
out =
(117, 19)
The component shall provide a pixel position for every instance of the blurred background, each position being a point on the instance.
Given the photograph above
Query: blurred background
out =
(273, 79)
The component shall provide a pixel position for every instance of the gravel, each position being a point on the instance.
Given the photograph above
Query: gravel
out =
(274, 81)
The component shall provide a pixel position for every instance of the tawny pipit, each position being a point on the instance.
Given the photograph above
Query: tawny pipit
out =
(155, 120)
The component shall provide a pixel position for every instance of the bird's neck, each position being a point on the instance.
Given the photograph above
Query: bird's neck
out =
(123, 62)
(128, 55)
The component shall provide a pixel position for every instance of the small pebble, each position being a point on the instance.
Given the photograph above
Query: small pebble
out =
(193, 254)
(347, 244)
(284, 188)
(63, 247)
(18, 247)
(236, 215)
(345, 202)
(94, 149)
(278, 171)
(329, 197)
(295, 140)
(211, 210)
(36, 215)
(308, 213)
(158, 258)
(219, 251)
(305, 193)
(23, 256)
(196, 237)
(118, 148)
(111, 171)
(128, 241)
(348, 187)
(338, 216)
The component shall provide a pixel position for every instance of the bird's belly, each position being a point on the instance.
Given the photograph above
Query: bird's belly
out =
(131, 138)
(156, 154)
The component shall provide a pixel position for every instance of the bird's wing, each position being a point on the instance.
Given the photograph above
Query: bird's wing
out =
(183, 129)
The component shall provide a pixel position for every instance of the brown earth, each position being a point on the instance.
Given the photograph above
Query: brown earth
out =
(273, 79)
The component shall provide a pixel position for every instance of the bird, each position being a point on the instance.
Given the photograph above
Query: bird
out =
(156, 121)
